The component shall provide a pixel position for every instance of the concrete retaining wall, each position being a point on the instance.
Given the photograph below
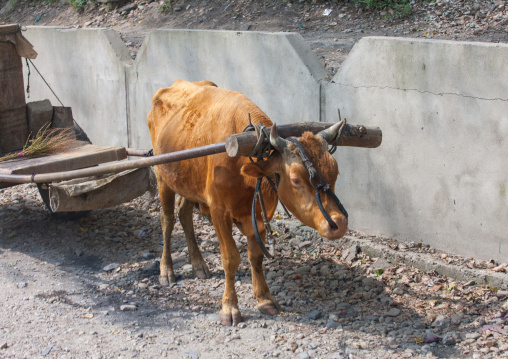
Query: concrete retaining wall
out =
(277, 71)
(86, 70)
(439, 176)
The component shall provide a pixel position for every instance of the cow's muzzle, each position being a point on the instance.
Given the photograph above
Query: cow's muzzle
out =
(317, 183)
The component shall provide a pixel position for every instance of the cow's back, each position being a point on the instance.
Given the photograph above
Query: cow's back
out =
(188, 115)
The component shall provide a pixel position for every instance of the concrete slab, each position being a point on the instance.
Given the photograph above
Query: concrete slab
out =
(277, 71)
(38, 114)
(62, 117)
(85, 68)
(440, 176)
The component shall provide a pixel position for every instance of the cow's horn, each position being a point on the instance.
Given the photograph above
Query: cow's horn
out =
(276, 141)
(330, 133)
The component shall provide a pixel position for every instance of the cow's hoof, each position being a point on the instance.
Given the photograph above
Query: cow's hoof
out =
(167, 280)
(202, 271)
(268, 309)
(269, 306)
(201, 274)
(230, 317)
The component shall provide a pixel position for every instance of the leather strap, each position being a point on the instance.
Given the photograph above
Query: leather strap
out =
(255, 222)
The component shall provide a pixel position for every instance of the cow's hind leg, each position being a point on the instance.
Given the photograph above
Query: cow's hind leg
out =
(167, 197)
(185, 208)
(266, 303)
(223, 224)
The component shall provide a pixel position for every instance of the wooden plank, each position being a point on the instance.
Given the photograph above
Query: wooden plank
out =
(79, 157)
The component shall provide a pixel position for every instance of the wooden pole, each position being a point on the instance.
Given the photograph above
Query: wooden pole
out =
(241, 144)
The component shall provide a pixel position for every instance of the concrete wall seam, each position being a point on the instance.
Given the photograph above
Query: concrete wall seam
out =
(420, 91)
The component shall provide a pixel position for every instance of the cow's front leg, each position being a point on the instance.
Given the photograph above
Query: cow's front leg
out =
(167, 197)
(230, 314)
(266, 303)
(185, 208)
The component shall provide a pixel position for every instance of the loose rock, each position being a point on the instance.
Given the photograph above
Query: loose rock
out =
(128, 308)
(393, 312)
(314, 315)
(110, 267)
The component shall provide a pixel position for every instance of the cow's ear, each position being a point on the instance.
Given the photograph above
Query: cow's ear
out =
(260, 169)
(252, 170)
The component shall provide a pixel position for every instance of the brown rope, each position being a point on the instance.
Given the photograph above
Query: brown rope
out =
(263, 148)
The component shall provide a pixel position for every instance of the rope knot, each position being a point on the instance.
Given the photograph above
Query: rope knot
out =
(322, 187)
(263, 148)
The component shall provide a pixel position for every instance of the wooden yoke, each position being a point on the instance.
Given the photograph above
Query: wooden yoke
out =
(241, 144)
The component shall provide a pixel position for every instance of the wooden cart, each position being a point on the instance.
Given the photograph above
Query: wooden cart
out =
(85, 193)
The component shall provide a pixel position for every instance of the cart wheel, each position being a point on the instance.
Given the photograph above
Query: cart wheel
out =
(44, 192)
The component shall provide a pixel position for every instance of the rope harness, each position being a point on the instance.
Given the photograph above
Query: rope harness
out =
(263, 147)
(262, 151)
(319, 186)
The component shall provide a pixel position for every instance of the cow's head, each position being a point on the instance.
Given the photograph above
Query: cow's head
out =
(295, 189)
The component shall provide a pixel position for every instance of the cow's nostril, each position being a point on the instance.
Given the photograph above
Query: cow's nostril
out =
(333, 232)
(340, 223)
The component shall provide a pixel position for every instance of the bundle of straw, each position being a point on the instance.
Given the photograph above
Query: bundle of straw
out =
(46, 142)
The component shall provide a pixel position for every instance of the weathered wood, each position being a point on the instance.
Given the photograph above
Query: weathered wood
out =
(62, 117)
(38, 115)
(137, 152)
(79, 157)
(99, 192)
(241, 144)
(13, 125)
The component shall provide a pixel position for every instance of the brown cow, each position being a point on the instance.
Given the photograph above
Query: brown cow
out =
(188, 115)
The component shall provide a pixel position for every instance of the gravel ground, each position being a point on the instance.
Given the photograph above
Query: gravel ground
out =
(86, 287)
